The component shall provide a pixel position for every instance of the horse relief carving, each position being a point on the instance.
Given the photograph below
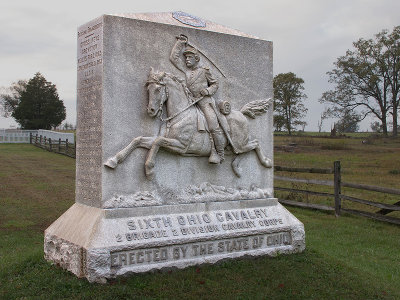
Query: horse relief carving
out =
(196, 125)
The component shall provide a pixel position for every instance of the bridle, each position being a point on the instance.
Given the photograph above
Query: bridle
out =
(164, 99)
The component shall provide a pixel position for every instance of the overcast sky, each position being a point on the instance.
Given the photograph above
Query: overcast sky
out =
(308, 36)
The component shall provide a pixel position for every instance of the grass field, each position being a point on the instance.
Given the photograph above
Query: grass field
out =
(374, 162)
(346, 258)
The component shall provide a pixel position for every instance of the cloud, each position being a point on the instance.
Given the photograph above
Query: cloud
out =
(308, 35)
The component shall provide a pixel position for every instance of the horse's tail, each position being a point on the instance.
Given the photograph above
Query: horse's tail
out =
(256, 108)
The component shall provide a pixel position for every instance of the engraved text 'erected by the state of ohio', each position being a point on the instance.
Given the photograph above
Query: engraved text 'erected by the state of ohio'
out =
(201, 249)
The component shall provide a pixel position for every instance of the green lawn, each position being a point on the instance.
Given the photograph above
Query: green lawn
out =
(346, 258)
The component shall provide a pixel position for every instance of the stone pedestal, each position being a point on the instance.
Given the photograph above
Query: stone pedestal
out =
(100, 243)
(146, 196)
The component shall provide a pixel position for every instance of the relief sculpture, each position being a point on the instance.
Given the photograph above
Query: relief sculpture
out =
(196, 124)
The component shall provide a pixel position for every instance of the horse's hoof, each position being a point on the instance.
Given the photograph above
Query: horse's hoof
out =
(267, 163)
(149, 170)
(237, 172)
(111, 163)
(214, 158)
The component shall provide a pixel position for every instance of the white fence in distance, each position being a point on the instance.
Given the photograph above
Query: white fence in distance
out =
(22, 136)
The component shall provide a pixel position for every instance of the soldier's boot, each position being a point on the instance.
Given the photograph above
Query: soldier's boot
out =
(214, 157)
(219, 143)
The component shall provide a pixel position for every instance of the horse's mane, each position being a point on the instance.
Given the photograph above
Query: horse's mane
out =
(158, 77)
(181, 82)
(176, 78)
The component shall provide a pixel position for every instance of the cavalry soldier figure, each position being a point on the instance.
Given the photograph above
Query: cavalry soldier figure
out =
(201, 84)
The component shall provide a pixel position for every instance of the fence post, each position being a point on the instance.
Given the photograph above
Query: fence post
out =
(36, 138)
(40, 140)
(66, 146)
(50, 144)
(337, 185)
(30, 137)
(59, 145)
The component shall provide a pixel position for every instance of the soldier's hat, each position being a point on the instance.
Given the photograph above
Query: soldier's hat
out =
(190, 50)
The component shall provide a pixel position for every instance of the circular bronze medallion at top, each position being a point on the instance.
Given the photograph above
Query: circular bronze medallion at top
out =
(188, 19)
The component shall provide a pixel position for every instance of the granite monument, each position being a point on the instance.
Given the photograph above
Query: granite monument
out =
(170, 109)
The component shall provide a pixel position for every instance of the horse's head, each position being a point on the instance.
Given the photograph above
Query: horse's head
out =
(158, 92)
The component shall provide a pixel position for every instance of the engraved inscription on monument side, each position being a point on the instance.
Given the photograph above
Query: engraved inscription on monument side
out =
(89, 92)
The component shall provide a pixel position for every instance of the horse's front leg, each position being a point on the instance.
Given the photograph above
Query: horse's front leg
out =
(172, 145)
(139, 142)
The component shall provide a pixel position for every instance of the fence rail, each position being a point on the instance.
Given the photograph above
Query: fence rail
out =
(304, 170)
(58, 146)
(306, 205)
(337, 194)
(66, 148)
(312, 181)
(372, 188)
(305, 192)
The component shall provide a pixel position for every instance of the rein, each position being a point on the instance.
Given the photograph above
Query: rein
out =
(179, 112)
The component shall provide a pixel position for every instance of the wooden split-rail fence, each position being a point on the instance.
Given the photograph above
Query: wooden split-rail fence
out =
(69, 149)
(52, 145)
(338, 195)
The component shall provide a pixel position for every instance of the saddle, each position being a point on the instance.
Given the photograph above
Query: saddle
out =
(202, 125)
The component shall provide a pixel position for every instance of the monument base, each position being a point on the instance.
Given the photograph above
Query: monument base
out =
(100, 244)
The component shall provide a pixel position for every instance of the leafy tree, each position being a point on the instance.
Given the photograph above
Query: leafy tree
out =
(391, 44)
(67, 126)
(35, 104)
(279, 122)
(367, 78)
(303, 125)
(376, 127)
(348, 122)
(288, 100)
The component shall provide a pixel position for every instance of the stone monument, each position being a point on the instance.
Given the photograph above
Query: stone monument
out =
(174, 149)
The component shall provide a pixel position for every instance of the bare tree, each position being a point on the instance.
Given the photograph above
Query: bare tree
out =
(9, 97)
(367, 78)
(324, 115)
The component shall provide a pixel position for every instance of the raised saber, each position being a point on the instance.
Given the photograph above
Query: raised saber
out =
(201, 52)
